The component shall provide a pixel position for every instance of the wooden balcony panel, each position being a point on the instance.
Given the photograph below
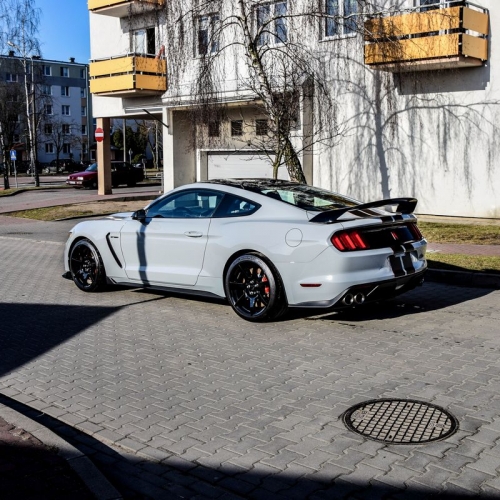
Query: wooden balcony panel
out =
(122, 8)
(128, 75)
(111, 66)
(425, 22)
(129, 85)
(473, 46)
(412, 49)
(412, 24)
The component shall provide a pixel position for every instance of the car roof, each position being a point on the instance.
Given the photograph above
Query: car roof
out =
(251, 184)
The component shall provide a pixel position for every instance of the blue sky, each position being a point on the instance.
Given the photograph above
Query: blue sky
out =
(64, 29)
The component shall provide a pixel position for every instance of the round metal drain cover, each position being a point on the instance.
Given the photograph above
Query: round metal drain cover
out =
(400, 421)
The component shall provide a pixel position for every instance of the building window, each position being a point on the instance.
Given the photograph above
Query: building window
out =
(207, 42)
(66, 129)
(66, 149)
(12, 77)
(48, 129)
(236, 127)
(65, 110)
(46, 90)
(261, 127)
(341, 17)
(83, 73)
(214, 128)
(83, 92)
(49, 148)
(48, 109)
(271, 23)
(84, 129)
(144, 41)
(65, 91)
(47, 70)
(65, 71)
(84, 111)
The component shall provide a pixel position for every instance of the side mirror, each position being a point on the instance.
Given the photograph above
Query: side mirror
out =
(139, 215)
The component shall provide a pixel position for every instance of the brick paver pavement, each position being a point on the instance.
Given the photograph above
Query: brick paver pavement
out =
(188, 400)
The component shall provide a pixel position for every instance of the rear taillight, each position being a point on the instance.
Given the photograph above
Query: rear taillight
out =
(348, 241)
(415, 231)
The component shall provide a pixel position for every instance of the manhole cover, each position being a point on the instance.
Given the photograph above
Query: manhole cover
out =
(400, 421)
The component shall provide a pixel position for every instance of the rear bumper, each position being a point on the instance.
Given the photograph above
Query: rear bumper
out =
(369, 292)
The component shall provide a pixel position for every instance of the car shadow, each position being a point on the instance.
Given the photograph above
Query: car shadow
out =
(430, 296)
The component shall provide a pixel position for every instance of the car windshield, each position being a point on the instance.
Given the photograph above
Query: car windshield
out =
(92, 168)
(302, 195)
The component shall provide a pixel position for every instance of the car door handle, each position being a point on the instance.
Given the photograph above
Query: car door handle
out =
(193, 234)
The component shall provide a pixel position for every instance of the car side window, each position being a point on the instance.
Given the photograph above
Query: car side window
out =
(186, 204)
(234, 206)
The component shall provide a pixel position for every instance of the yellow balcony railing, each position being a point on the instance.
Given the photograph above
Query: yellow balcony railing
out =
(128, 76)
(123, 8)
(449, 37)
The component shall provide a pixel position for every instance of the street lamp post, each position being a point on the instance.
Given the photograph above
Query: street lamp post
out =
(31, 138)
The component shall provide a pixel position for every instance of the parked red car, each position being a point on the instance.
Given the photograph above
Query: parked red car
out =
(121, 173)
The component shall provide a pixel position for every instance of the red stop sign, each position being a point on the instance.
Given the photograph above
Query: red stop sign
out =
(99, 134)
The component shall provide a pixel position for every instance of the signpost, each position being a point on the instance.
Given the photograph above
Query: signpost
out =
(13, 157)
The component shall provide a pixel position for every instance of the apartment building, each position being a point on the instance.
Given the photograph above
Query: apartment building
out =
(411, 86)
(60, 109)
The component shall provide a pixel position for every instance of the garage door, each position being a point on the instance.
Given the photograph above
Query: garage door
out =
(241, 166)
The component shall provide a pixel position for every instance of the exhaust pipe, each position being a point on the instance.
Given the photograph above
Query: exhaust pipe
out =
(359, 298)
(348, 300)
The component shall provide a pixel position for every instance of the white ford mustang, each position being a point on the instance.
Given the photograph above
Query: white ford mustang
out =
(263, 244)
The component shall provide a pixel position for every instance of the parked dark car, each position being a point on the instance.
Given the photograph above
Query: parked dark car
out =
(62, 165)
(121, 173)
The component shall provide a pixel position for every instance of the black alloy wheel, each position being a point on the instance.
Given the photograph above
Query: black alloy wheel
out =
(254, 289)
(86, 267)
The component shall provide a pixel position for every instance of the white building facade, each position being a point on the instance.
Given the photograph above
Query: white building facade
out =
(413, 87)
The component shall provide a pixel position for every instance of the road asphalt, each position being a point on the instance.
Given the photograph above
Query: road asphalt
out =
(36, 462)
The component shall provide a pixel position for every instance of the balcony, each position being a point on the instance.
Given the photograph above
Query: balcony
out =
(128, 76)
(123, 8)
(437, 38)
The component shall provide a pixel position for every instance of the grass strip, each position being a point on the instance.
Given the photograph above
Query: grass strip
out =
(461, 262)
(474, 234)
(53, 213)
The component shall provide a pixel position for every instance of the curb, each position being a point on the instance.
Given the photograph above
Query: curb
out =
(464, 278)
(91, 476)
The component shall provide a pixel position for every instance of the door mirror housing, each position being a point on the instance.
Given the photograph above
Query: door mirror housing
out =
(139, 215)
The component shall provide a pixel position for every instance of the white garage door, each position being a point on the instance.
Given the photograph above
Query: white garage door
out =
(242, 165)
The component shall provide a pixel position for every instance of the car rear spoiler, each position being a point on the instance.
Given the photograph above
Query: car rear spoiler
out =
(404, 206)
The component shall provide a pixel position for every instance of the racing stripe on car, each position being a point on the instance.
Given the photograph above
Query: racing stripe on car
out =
(397, 266)
(408, 263)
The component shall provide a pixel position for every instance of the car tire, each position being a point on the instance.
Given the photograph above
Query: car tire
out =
(93, 185)
(254, 289)
(86, 267)
(131, 183)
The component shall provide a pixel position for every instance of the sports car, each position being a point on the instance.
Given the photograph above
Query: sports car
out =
(264, 245)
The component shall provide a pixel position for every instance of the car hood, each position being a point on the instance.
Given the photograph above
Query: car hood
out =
(120, 216)
(82, 174)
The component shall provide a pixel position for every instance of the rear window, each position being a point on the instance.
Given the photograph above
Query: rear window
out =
(307, 197)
